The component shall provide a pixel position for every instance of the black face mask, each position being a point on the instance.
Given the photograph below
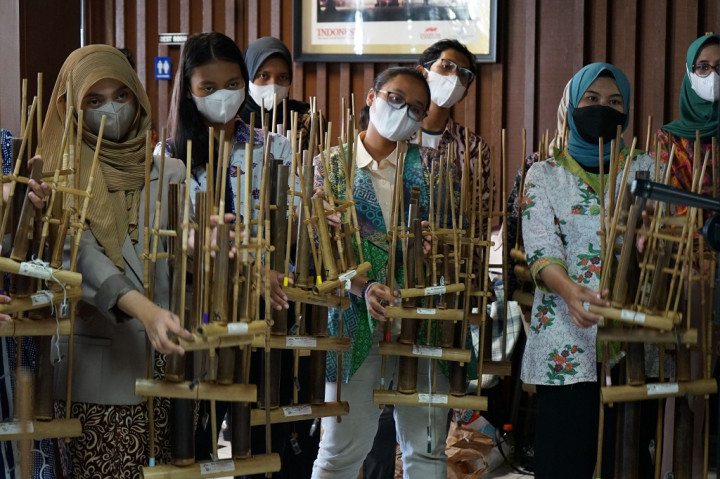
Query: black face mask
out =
(596, 121)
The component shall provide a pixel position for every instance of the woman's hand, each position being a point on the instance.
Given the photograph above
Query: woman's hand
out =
(4, 299)
(214, 221)
(427, 239)
(377, 297)
(39, 193)
(160, 324)
(575, 295)
(647, 214)
(278, 299)
(332, 219)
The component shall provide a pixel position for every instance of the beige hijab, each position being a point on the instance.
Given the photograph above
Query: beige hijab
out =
(559, 138)
(113, 209)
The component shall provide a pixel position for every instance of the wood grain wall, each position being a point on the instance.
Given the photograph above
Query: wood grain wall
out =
(541, 43)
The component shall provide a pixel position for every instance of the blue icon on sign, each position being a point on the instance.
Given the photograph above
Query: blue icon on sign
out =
(162, 68)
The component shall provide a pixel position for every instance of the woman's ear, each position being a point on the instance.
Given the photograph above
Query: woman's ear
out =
(421, 69)
(370, 97)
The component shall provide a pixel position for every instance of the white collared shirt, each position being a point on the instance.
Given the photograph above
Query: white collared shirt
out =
(382, 174)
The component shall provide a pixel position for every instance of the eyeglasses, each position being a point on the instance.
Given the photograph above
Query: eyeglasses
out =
(449, 67)
(397, 101)
(704, 69)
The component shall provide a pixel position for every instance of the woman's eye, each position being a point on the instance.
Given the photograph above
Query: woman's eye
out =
(284, 78)
(208, 89)
(263, 76)
(122, 96)
(232, 85)
(395, 99)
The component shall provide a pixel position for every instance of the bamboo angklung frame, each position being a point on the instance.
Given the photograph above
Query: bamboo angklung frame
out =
(664, 270)
(70, 218)
(457, 227)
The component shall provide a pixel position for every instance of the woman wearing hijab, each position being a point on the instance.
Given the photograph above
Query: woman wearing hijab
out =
(699, 97)
(269, 66)
(563, 253)
(115, 317)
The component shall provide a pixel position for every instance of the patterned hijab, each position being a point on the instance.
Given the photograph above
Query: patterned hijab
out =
(113, 210)
(696, 114)
(584, 152)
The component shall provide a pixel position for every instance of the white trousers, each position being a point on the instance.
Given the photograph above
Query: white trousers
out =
(344, 445)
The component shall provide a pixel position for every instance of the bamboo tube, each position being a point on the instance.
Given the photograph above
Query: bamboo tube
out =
(616, 394)
(299, 295)
(646, 335)
(57, 428)
(430, 352)
(302, 412)
(70, 278)
(477, 403)
(328, 286)
(636, 317)
(258, 464)
(203, 390)
(424, 313)
(39, 117)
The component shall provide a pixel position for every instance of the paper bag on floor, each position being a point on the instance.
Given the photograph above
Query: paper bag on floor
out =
(469, 452)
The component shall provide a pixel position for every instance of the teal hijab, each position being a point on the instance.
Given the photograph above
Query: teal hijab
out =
(696, 114)
(582, 151)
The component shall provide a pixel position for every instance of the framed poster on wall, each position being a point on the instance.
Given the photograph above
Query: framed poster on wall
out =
(390, 30)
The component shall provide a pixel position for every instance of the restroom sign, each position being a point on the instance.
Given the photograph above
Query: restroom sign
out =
(162, 68)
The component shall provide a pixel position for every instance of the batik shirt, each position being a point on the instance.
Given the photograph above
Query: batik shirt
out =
(280, 148)
(357, 323)
(560, 224)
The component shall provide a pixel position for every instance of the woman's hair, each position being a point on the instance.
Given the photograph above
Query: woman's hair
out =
(384, 77)
(184, 119)
(434, 51)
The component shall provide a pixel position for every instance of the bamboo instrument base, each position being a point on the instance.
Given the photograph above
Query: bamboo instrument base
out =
(35, 327)
(430, 352)
(470, 401)
(299, 412)
(203, 390)
(664, 323)
(644, 335)
(304, 342)
(39, 300)
(615, 394)
(259, 464)
(13, 430)
(204, 343)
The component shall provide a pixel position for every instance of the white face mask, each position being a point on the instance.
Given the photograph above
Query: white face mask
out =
(264, 94)
(707, 88)
(445, 90)
(221, 106)
(395, 125)
(119, 117)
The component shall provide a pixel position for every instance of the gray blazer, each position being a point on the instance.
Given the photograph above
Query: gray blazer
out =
(109, 348)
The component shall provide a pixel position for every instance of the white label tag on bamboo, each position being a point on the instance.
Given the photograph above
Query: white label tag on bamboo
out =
(432, 398)
(38, 299)
(426, 311)
(238, 328)
(432, 290)
(217, 466)
(303, 410)
(15, 427)
(427, 351)
(35, 270)
(632, 316)
(301, 342)
(346, 277)
(662, 388)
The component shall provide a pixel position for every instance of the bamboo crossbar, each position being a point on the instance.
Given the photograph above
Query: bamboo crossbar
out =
(635, 317)
(478, 403)
(645, 335)
(257, 464)
(37, 301)
(328, 286)
(430, 352)
(70, 278)
(613, 394)
(431, 290)
(310, 343)
(299, 412)
(299, 295)
(13, 430)
(202, 390)
(35, 327)
(424, 313)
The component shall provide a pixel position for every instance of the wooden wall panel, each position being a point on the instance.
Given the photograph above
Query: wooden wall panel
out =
(540, 45)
